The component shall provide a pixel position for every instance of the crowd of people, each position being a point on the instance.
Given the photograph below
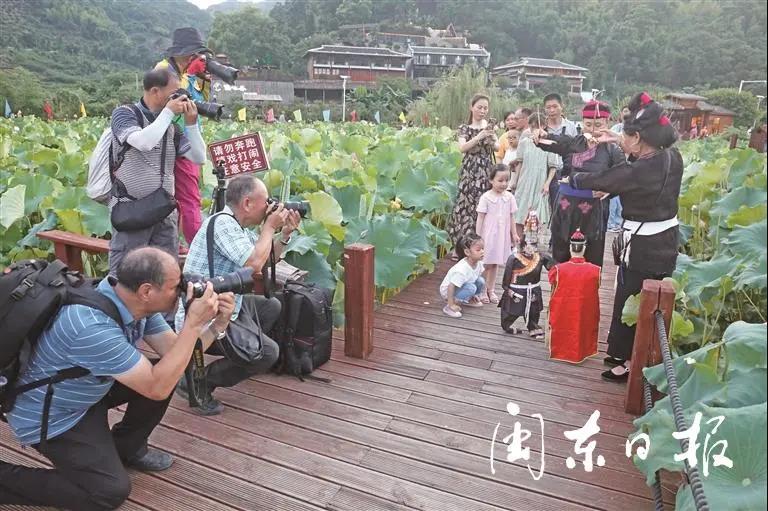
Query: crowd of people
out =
(158, 150)
(543, 170)
(582, 181)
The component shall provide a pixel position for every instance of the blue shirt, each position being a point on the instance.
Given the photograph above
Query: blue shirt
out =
(232, 246)
(85, 337)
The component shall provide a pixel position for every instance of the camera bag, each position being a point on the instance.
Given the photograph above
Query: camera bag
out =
(304, 330)
(31, 294)
(132, 214)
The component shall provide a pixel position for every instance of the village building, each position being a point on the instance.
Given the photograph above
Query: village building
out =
(533, 73)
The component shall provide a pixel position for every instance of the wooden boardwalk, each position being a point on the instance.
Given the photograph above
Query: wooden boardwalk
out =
(409, 428)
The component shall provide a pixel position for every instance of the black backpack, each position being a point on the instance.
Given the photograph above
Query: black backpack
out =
(304, 330)
(31, 294)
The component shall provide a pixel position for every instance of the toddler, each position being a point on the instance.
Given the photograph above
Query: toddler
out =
(464, 284)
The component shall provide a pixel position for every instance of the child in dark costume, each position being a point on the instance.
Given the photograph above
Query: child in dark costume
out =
(521, 283)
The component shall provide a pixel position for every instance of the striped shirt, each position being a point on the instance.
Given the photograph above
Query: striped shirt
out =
(85, 337)
(140, 171)
(232, 246)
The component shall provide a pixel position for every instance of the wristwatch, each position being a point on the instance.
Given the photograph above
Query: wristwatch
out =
(286, 242)
(217, 336)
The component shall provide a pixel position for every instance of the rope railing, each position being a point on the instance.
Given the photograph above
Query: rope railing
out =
(694, 479)
(651, 347)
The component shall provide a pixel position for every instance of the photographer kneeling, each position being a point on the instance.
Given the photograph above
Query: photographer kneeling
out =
(235, 246)
(87, 457)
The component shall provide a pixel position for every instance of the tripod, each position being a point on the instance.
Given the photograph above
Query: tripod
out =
(195, 376)
(218, 197)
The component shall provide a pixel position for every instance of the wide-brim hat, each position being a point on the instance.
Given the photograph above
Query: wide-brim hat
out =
(186, 41)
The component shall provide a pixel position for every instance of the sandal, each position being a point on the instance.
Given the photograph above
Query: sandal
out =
(536, 333)
(492, 298)
(485, 299)
(473, 302)
(514, 330)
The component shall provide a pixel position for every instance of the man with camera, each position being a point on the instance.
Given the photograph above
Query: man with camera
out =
(234, 246)
(89, 460)
(143, 207)
(186, 59)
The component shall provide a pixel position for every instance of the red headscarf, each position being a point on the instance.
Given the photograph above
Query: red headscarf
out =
(596, 110)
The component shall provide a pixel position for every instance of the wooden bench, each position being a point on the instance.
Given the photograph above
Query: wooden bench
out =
(69, 247)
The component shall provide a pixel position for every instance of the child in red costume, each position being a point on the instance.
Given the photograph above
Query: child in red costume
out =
(574, 308)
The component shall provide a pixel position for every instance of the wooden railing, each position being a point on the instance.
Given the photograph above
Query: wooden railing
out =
(646, 352)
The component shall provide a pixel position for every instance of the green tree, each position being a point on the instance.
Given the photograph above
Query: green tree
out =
(249, 37)
(23, 91)
(743, 103)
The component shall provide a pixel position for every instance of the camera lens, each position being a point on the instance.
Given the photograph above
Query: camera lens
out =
(302, 207)
(210, 110)
(225, 73)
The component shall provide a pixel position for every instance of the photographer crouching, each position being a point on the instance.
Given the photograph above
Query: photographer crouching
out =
(89, 460)
(225, 244)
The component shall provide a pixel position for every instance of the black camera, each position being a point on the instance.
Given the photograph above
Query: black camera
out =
(239, 282)
(206, 109)
(225, 73)
(302, 207)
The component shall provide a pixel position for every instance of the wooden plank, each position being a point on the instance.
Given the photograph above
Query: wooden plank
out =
(301, 461)
(612, 419)
(470, 466)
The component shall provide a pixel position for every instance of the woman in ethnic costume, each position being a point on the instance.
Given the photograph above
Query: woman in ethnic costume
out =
(580, 208)
(478, 142)
(649, 187)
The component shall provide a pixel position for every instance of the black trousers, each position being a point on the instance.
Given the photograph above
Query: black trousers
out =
(225, 373)
(88, 473)
(621, 338)
(533, 321)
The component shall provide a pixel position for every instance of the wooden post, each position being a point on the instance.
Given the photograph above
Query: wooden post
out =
(359, 292)
(646, 351)
(733, 141)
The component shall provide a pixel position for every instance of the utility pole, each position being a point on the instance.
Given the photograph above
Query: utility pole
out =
(741, 85)
(344, 79)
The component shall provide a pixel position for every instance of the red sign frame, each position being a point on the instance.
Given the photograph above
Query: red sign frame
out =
(240, 155)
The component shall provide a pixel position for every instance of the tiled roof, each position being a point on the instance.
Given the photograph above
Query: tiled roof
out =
(358, 50)
(535, 62)
(438, 50)
(683, 95)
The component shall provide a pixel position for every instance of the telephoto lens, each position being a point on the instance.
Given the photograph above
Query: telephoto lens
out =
(207, 109)
(225, 73)
(302, 207)
(239, 282)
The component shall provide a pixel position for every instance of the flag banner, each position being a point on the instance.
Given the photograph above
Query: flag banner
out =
(271, 115)
(82, 110)
(327, 115)
(377, 116)
(402, 117)
(8, 110)
(353, 116)
(297, 115)
(241, 114)
(281, 118)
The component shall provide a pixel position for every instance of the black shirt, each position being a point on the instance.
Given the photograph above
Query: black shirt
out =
(639, 184)
(573, 150)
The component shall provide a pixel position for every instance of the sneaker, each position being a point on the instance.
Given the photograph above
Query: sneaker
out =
(451, 313)
(152, 461)
(209, 406)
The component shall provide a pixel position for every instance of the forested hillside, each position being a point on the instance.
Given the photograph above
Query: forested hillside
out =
(94, 50)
